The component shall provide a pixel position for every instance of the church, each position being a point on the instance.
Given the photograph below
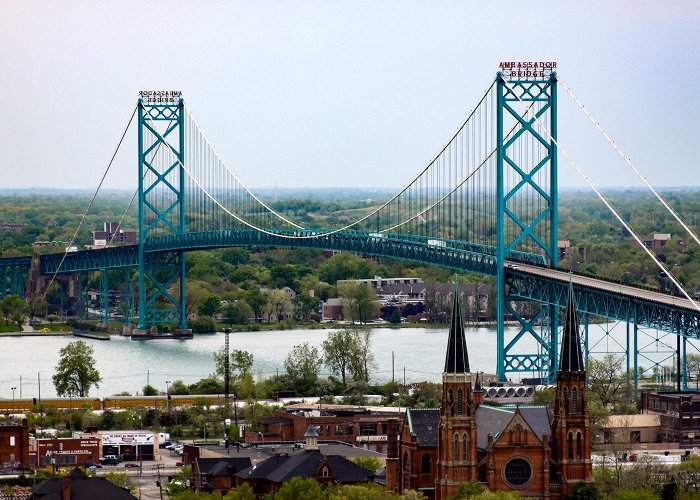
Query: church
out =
(505, 448)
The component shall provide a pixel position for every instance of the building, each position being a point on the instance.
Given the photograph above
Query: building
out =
(127, 445)
(506, 448)
(217, 474)
(565, 250)
(679, 416)
(378, 283)
(354, 425)
(65, 452)
(269, 475)
(112, 234)
(77, 485)
(14, 445)
(631, 429)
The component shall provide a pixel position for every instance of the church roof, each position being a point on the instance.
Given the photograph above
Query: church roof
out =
(571, 358)
(457, 360)
(493, 420)
(281, 468)
(82, 487)
(424, 423)
(222, 466)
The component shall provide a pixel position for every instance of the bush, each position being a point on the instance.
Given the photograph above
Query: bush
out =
(202, 325)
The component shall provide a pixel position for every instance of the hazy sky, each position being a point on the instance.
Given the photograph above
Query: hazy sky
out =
(339, 93)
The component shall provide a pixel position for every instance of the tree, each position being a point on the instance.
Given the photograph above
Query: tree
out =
(122, 480)
(278, 305)
(359, 301)
(362, 360)
(256, 300)
(343, 266)
(15, 310)
(238, 313)
(606, 380)
(305, 306)
(210, 306)
(370, 463)
(395, 318)
(338, 352)
(35, 304)
(76, 372)
(302, 366)
(469, 489)
(178, 387)
(149, 390)
(240, 363)
(296, 487)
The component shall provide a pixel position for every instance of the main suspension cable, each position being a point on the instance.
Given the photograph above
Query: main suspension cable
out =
(604, 200)
(87, 210)
(628, 160)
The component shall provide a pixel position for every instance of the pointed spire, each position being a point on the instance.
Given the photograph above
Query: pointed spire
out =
(571, 358)
(457, 360)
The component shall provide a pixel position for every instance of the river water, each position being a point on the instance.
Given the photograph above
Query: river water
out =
(127, 365)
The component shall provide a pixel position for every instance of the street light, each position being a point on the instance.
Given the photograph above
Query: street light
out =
(13, 389)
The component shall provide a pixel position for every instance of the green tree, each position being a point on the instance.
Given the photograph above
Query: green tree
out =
(338, 352)
(256, 300)
(606, 380)
(122, 480)
(395, 318)
(210, 306)
(370, 463)
(343, 266)
(305, 306)
(362, 359)
(469, 489)
(15, 310)
(240, 363)
(302, 366)
(296, 488)
(76, 372)
(178, 387)
(237, 313)
(36, 304)
(149, 390)
(583, 491)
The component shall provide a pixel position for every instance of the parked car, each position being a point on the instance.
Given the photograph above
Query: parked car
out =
(109, 460)
(164, 444)
(87, 465)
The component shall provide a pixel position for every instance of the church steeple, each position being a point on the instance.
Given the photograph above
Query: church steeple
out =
(571, 359)
(457, 359)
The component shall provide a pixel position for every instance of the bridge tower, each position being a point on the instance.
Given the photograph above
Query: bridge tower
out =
(161, 145)
(527, 204)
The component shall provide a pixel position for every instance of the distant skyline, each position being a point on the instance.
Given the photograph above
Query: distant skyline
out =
(339, 94)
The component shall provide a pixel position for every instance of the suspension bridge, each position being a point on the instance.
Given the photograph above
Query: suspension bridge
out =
(487, 203)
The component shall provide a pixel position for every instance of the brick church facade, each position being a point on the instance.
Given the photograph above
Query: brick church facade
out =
(505, 448)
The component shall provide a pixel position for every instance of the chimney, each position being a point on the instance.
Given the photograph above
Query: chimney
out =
(65, 483)
(392, 455)
(478, 391)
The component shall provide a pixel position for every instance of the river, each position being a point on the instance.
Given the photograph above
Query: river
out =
(127, 365)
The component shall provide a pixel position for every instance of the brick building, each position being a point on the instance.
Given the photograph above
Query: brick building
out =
(679, 416)
(14, 446)
(65, 452)
(507, 448)
(217, 474)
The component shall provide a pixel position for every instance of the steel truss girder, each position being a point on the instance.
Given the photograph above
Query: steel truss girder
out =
(645, 313)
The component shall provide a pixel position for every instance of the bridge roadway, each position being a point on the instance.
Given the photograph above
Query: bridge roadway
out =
(526, 276)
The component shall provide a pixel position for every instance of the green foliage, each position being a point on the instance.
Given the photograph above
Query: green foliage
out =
(302, 368)
(297, 488)
(344, 266)
(14, 310)
(210, 306)
(469, 489)
(178, 387)
(122, 480)
(203, 324)
(395, 317)
(606, 380)
(583, 491)
(76, 372)
(149, 390)
(240, 363)
(256, 300)
(237, 313)
(370, 463)
(348, 352)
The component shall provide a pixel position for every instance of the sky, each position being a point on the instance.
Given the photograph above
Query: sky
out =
(339, 93)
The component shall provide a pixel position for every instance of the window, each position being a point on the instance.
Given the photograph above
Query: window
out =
(574, 400)
(455, 448)
(425, 464)
(566, 400)
(66, 459)
(570, 446)
(517, 472)
(406, 471)
(12, 440)
(459, 402)
(324, 472)
(451, 399)
(465, 447)
(578, 445)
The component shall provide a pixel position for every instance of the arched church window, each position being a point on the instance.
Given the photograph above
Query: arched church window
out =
(451, 398)
(465, 447)
(459, 402)
(570, 446)
(425, 463)
(455, 448)
(578, 445)
(566, 400)
(574, 400)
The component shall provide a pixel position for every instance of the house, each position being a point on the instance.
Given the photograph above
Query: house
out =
(112, 233)
(269, 475)
(217, 474)
(78, 486)
(507, 448)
